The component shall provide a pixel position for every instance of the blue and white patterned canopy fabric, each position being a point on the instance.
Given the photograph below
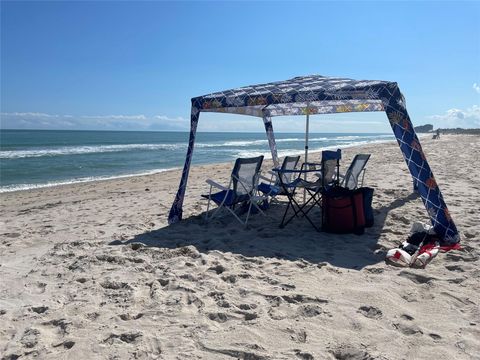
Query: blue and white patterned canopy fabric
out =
(317, 94)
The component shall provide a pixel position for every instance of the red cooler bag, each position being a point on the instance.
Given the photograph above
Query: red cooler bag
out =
(342, 211)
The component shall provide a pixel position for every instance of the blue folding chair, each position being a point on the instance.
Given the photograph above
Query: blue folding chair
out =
(273, 188)
(242, 189)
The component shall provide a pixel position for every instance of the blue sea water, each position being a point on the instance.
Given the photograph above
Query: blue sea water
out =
(39, 158)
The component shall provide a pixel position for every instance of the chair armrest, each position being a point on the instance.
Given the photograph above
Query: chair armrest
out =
(258, 197)
(264, 178)
(307, 165)
(214, 184)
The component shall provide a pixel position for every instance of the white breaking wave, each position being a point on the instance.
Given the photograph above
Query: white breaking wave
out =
(18, 187)
(77, 150)
(245, 143)
(236, 143)
(284, 152)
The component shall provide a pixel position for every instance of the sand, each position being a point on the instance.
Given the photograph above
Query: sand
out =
(92, 271)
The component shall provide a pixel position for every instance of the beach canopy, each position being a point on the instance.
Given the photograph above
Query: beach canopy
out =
(316, 94)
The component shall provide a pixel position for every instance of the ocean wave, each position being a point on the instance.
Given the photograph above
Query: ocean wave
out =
(284, 152)
(246, 143)
(236, 143)
(19, 187)
(86, 149)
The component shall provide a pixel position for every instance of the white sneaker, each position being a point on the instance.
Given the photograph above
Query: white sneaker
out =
(424, 257)
(398, 257)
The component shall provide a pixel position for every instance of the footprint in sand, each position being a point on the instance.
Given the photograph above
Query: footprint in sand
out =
(232, 279)
(250, 316)
(115, 285)
(30, 338)
(223, 303)
(247, 306)
(61, 324)
(416, 278)
(39, 309)
(68, 344)
(407, 317)
(457, 268)
(435, 336)
(126, 317)
(218, 317)
(217, 268)
(349, 352)
(125, 337)
(407, 329)
(299, 298)
(309, 310)
(298, 335)
(303, 355)
(194, 300)
(370, 312)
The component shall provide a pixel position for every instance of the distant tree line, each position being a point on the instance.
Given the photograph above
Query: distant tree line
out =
(428, 128)
(460, 131)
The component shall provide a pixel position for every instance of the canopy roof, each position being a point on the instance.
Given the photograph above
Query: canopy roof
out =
(298, 96)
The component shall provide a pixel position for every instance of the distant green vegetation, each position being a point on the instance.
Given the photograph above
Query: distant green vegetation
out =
(460, 131)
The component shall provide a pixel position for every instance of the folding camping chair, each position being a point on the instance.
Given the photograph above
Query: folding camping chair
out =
(242, 189)
(351, 178)
(329, 167)
(274, 188)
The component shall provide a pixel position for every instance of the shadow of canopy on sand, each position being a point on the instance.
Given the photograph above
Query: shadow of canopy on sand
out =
(263, 238)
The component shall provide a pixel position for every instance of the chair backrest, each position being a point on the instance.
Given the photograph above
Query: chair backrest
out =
(354, 170)
(289, 163)
(245, 174)
(330, 164)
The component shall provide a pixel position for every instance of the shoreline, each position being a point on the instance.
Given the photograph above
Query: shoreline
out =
(29, 187)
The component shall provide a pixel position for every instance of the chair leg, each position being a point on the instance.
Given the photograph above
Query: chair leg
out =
(237, 217)
(206, 212)
(248, 213)
(258, 208)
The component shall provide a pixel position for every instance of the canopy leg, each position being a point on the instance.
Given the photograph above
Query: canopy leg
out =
(267, 121)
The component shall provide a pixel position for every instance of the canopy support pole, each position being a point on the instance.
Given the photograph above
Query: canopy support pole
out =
(417, 163)
(307, 126)
(176, 209)
(267, 121)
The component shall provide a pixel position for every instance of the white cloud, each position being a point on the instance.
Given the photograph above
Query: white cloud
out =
(34, 115)
(476, 87)
(469, 118)
(352, 122)
(166, 118)
(115, 117)
(36, 120)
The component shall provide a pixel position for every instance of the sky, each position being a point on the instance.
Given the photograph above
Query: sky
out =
(123, 65)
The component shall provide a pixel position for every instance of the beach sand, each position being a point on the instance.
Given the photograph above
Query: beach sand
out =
(92, 271)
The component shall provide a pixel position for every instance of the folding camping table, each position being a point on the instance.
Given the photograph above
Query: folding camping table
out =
(312, 188)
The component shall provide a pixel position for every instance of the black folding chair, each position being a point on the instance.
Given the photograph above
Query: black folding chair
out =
(328, 176)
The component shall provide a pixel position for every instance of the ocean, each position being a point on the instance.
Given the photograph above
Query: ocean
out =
(40, 158)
